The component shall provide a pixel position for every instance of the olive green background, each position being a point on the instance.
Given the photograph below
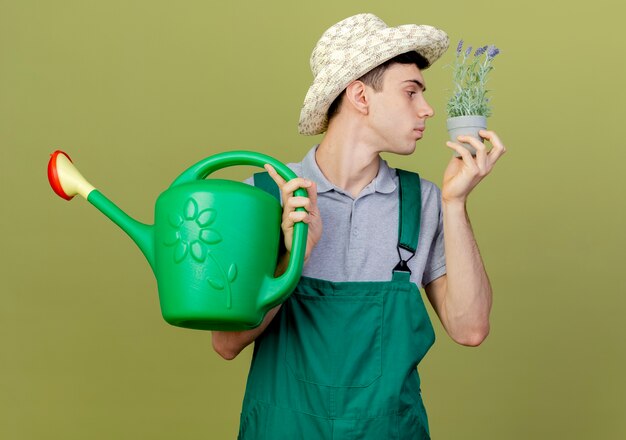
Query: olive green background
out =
(136, 91)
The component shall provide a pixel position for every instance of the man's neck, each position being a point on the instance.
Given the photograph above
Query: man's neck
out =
(347, 160)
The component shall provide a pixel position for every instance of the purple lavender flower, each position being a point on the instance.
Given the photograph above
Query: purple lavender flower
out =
(480, 51)
(470, 77)
(492, 51)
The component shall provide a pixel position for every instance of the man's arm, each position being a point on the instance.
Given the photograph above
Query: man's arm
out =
(462, 298)
(230, 344)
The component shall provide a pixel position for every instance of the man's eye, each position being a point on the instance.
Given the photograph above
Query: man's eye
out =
(411, 94)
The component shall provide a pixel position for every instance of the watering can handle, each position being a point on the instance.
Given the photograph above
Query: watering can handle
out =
(288, 280)
(232, 158)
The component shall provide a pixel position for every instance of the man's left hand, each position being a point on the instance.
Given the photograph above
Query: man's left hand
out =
(464, 173)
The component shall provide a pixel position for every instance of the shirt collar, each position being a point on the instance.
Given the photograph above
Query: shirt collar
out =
(384, 182)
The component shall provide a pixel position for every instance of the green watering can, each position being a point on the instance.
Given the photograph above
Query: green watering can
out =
(214, 244)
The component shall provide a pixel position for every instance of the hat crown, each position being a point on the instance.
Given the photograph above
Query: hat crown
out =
(333, 43)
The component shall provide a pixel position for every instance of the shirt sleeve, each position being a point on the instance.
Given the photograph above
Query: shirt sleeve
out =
(436, 262)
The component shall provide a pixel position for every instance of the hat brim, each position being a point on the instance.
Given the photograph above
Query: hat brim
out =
(333, 78)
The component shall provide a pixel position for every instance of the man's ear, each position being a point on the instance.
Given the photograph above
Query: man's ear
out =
(356, 95)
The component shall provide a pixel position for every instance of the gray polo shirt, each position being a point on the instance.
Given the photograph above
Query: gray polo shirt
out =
(360, 235)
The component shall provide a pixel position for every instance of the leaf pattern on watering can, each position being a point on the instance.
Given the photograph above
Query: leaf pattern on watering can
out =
(171, 238)
(216, 284)
(210, 236)
(191, 209)
(232, 272)
(180, 252)
(175, 219)
(198, 252)
(206, 217)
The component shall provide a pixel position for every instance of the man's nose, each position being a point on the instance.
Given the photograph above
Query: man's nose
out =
(425, 110)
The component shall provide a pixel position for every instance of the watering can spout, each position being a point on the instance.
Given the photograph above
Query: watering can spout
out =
(140, 233)
(66, 181)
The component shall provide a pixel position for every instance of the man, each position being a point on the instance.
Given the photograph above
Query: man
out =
(338, 359)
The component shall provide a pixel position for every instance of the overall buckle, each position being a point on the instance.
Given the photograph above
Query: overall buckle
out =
(403, 266)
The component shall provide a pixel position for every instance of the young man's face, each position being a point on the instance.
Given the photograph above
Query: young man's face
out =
(398, 113)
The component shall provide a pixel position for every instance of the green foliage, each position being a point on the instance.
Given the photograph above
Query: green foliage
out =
(470, 74)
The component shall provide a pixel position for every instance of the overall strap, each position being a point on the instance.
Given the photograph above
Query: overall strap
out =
(266, 183)
(409, 220)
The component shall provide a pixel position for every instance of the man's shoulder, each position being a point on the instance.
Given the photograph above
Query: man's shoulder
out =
(296, 168)
(429, 187)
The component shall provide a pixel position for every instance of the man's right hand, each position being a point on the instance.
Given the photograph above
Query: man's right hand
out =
(230, 344)
(291, 216)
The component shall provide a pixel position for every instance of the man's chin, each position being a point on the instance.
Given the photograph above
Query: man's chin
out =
(404, 151)
(410, 149)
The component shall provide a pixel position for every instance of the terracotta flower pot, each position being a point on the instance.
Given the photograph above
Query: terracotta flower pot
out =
(466, 125)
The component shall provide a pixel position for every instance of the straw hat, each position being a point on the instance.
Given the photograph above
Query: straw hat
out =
(353, 47)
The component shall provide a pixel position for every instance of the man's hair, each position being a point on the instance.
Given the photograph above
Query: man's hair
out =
(374, 78)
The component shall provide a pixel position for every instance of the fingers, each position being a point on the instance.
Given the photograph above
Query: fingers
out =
(290, 202)
(287, 188)
(295, 217)
(484, 159)
(290, 213)
(466, 156)
(274, 175)
(481, 161)
(492, 137)
(498, 147)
